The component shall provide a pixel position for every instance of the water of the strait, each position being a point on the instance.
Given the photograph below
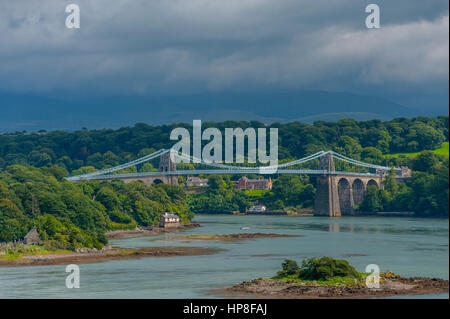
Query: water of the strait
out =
(407, 246)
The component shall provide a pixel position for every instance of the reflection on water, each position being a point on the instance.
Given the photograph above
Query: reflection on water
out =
(410, 247)
(334, 228)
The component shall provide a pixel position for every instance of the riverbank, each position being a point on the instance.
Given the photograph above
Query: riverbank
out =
(275, 288)
(149, 231)
(115, 253)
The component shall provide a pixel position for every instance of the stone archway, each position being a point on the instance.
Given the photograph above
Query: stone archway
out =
(373, 182)
(358, 191)
(345, 196)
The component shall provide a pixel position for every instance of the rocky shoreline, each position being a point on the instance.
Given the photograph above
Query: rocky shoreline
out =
(92, 255)
(115, 253)
(274, 288)
(148, 231)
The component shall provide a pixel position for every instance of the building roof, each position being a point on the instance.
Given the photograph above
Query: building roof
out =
(170, 215)
(254, 180)
(196, 179)
(32, 236)
(255, 206)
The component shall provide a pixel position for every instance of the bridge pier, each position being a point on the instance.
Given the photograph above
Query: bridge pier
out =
(337, 195)
(327, 197)
(327, 193)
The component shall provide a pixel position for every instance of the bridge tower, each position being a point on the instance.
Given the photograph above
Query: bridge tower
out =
(327, 194)
(166, 164)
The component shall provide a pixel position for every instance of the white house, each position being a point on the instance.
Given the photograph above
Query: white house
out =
(257, 208)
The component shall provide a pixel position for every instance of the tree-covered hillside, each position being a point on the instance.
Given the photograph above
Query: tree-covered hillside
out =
(71, 215)
(366, 140)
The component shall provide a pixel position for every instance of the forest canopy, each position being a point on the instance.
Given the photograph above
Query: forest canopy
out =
(361, 140)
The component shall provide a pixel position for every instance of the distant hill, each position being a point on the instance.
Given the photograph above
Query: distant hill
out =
(32, 113)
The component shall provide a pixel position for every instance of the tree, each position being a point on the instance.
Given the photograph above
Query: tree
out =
(325, 268)
(216, 184)
(290, 267)
(349, 147)
(425, 162)
(108, 198)
(372, 201)
(426, 136)
(372, 155)
(378, 138)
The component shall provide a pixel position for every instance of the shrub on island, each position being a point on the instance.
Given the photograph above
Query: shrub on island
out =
(290, 267)
(320, 269)
(325, 268)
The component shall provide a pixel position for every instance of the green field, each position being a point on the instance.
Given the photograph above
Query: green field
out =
(440, 151)
(256, 192)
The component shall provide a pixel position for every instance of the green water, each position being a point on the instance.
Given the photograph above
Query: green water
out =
(407, 246)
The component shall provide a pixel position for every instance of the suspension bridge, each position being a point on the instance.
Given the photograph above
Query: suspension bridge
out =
(341, 181)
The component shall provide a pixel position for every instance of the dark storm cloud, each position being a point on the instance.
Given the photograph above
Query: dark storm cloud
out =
(156, 46)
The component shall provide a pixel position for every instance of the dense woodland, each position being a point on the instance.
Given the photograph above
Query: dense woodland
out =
(69, 215)
(33, 191)
(366, 140)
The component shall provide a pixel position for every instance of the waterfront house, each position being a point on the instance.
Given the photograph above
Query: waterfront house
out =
(257, 208)
(169, 220)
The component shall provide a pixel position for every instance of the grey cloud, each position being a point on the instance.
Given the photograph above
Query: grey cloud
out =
(129, 46)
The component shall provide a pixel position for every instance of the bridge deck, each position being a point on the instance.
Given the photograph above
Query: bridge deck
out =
(221, 172)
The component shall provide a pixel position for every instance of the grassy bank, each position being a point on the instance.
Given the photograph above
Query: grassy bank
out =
(444, 150)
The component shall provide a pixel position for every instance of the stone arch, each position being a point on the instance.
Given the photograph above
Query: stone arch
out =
(345, 196)
(373, 182)
(358, 191)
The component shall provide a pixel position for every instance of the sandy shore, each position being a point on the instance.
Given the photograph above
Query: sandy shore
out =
(272, 288)
(230, 237)
(150, 231)
(105, 255)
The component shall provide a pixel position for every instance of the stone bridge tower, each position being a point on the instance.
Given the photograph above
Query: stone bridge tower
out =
(327, 195)
(338, 194)
(166, 164)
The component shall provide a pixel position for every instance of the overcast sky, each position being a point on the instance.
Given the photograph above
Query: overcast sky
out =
(179, 46)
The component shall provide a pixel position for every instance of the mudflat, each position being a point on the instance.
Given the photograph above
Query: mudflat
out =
(115, 253)
(148, 232)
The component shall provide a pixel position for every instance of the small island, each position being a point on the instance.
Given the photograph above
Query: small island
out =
(326, 277)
